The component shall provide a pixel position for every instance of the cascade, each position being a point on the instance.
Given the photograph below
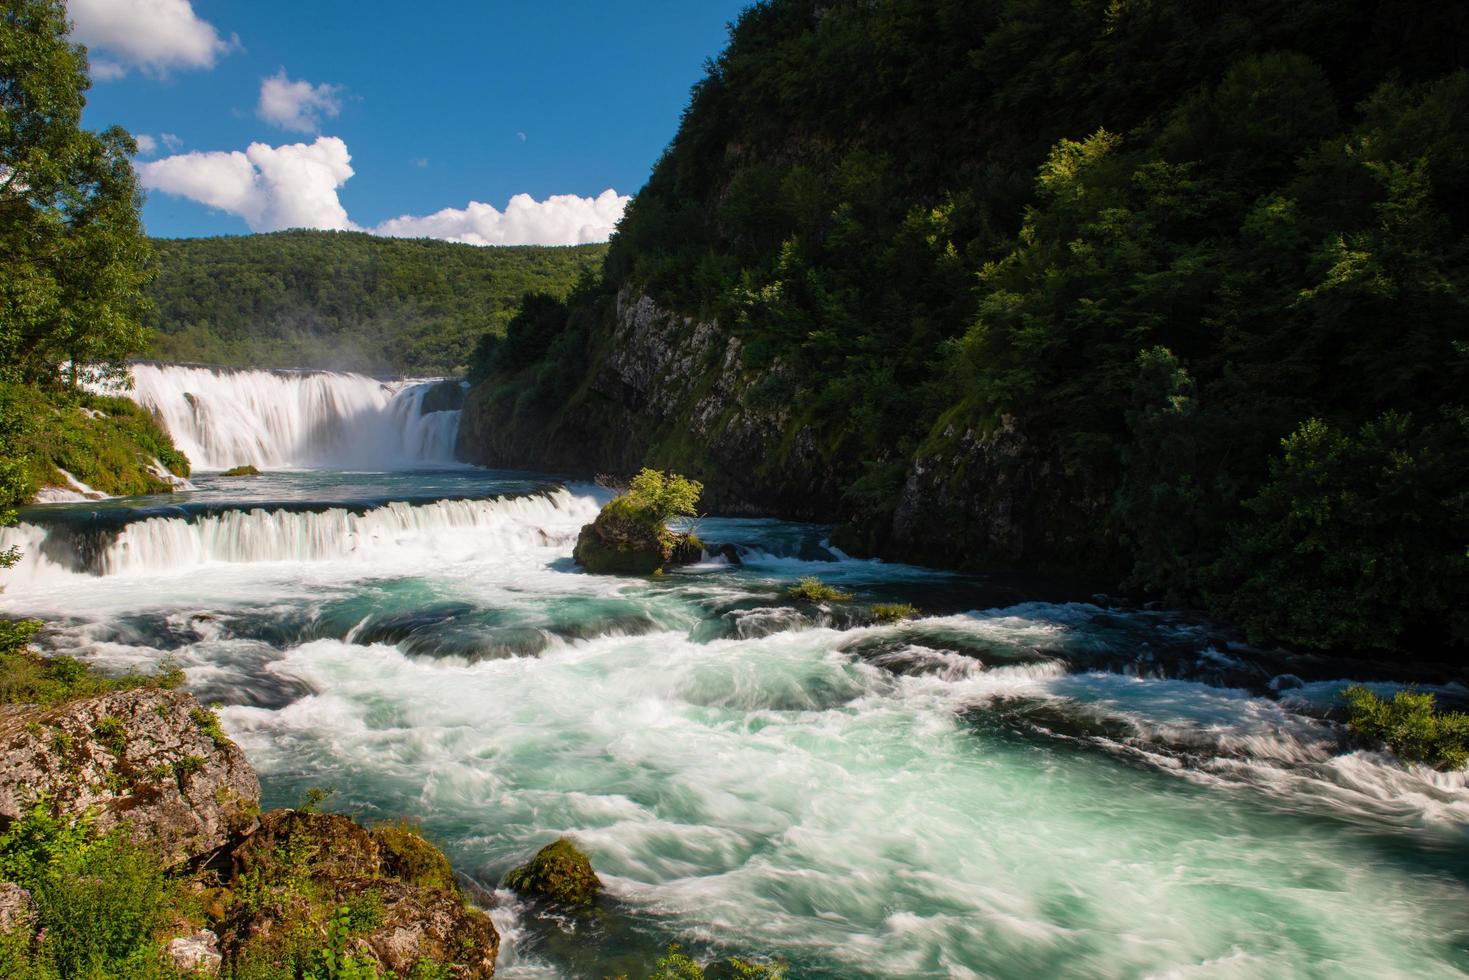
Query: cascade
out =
(443, 531)
(284, 419)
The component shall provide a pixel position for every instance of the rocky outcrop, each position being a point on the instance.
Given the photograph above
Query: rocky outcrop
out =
(613, 546)
(151, 759)
(415, 910)
(195, 954)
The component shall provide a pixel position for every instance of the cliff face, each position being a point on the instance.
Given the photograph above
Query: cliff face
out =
(672, 392)
(668, 391)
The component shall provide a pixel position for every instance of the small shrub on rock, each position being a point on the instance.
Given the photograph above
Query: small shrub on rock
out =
(812, 589)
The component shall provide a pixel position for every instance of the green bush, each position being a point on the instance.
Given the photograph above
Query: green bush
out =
(102, 901)
(29, 678)
(1410, 726)
(678, 965)
(812, 589)
(654, 498)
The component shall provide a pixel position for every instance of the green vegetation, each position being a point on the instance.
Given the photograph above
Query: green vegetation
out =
(1211, 269)
(559, 872)
(632, 536)
(894, 612)
(812, 589)
(654, 498)
(76, 259)
(76, 262)
(1411, 726)
(29, 678)
(102, 903)
(345, 300)
(111, 444)
(245, 470)
(678, 965)
(106, 908)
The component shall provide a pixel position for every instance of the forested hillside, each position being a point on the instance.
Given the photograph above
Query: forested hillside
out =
(346, 300)
(1170, 294)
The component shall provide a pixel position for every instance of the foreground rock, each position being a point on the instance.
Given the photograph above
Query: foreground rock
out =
(152, 758)
(559, 872)
(612, 545)
(196, 954)
(405, 905)
(253, 895)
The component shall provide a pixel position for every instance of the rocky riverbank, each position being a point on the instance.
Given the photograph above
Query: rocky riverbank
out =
(136, 807)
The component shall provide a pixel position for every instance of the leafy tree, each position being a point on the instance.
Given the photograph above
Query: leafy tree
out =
(654, 498)
(1357, 539)
(76, 258)
(1410, 726)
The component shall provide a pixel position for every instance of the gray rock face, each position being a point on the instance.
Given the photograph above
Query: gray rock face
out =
(990, 496)
(149, 758)
(670, 381)
(17, 908)
(194, 954)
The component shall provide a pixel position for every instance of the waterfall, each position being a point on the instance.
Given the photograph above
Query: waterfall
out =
(309, 420)
(439, 532)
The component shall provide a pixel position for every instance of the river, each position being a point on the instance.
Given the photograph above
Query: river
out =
(1009, 785)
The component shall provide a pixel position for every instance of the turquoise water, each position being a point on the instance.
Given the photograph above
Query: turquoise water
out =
(1000, 788)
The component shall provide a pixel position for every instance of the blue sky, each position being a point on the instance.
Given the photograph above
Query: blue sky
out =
(428, 106)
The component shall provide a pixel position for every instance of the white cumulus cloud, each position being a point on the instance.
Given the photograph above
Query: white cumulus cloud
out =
(271, 187)
(298, 106)
(154, 35)
(295, 186)
(561, 219)
(147, 145)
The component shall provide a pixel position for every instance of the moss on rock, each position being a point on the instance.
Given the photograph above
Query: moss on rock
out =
(243, 470)
(559, 872)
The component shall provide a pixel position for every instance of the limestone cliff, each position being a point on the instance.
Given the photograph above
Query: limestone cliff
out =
(672, 391)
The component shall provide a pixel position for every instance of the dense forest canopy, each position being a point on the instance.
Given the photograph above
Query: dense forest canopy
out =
(1210, 258)
(344, 300)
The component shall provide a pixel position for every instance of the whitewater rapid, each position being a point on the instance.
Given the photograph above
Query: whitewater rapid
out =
(222, 418)
(1010, 790)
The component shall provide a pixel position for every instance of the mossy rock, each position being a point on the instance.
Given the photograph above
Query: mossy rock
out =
(611, 545)
(245, 470)
(559, 872)
(407, 855)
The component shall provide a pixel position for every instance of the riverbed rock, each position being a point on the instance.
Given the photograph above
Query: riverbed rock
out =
(154, 760)
(418, 911)
(616, 546)
(559, 872)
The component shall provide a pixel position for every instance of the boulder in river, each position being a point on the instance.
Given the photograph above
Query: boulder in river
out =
(615, 545)
(559, 872)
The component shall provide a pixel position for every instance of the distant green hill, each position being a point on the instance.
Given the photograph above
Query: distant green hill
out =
(346, 300)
